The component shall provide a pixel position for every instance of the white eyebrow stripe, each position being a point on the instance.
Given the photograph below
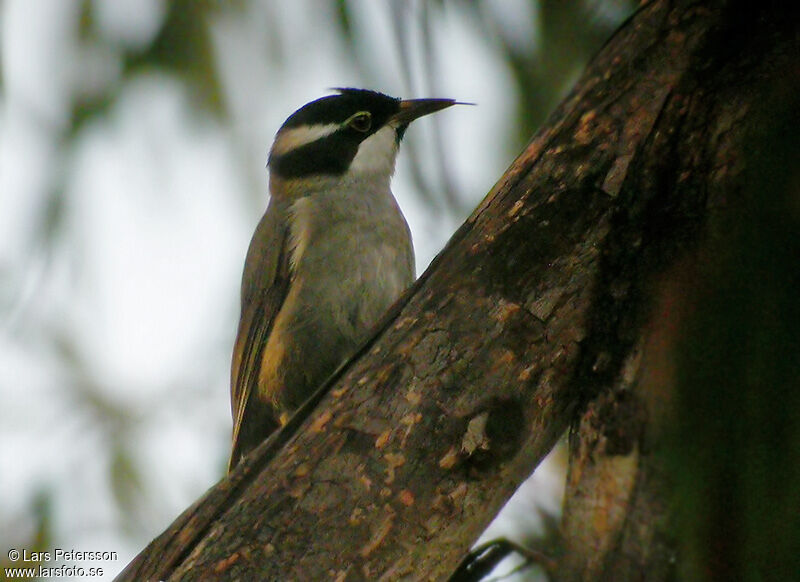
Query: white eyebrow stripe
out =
(295, 137)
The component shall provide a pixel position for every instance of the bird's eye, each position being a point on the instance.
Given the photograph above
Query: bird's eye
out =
(361, 121)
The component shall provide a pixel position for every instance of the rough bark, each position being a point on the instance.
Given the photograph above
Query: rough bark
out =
(540, 308)
(627, 497)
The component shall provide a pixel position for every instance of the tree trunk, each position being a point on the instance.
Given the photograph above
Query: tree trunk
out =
(545, 309)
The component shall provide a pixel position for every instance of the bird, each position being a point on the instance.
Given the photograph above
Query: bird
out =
(330, 255)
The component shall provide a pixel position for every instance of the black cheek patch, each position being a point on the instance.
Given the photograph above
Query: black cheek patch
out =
(328, 156)
(401, 131)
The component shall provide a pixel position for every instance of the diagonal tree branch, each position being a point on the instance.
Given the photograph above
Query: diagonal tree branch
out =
(533, 312)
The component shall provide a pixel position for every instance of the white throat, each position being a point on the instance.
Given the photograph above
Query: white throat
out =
(376, 155)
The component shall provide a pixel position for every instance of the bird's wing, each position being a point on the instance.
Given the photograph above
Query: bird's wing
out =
(264, 287)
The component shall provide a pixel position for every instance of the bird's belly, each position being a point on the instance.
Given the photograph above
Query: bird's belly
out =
(350, 288)
(342, 284)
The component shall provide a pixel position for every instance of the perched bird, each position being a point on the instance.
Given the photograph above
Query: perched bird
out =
(331, 254)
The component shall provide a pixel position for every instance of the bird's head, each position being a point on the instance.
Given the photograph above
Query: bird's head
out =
(355, 133)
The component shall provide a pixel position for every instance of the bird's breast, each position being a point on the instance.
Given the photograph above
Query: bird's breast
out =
(351, 257)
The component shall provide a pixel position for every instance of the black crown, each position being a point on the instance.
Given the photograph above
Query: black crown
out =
(339, 108)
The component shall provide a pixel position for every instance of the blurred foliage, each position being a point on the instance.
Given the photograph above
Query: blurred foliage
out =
(115, 421)
(569, 34)
(41, 539)
(182, 47)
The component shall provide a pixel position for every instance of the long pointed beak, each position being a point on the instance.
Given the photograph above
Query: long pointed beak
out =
(411, 109)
